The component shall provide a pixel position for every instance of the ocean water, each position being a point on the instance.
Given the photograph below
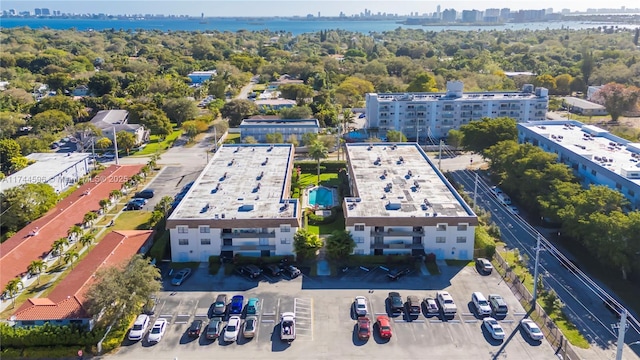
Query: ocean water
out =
(294, 26)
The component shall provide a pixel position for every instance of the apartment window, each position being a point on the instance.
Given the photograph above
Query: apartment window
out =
(461, 239)
(183, 229)
(441, 227)
(593, 172)
(441, 239)
(205, 241)
(285, 229)
(462, 227)
(631, 193)
(358, 240)
(584, 167)
(205, 230)
(285, 241)
(618, 186)
(359, 228)
(183, 241)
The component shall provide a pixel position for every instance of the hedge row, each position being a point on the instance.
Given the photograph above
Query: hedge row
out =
(484, 243)
(47, 335)
(325, 166)
(314, 219)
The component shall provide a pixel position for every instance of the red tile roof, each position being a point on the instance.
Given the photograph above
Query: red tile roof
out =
(65, 301)
(19, 250)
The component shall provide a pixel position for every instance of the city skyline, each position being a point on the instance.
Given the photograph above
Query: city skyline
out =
(252, 8)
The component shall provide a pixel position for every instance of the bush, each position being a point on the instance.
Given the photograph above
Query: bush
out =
(484, 242)
(325, 166)
(214, 264)
(314, 219)
(117, 334)
(430, 258)
(47, 336)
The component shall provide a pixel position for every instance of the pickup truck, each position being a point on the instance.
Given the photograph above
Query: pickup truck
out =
(288, 327)
(446, 303)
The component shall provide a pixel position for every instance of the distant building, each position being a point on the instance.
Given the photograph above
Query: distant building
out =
(274, 104)
(240, 204)
(117, 120)
(259, 128)
(471, 16)
(432, 115)
(81, 90)
(505, 14)
(283, 80)
(198, 77)
(592, 90)
(60, 170)
(402, 204)
(583, 107)
(449, 15)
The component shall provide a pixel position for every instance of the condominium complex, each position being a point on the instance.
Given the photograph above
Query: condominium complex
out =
(595, 155)
(432, 115)
(402, 204)
(238, 205)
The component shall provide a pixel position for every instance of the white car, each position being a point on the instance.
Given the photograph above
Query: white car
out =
(139, 327)
(232, 329)
(158, 330)
(532, 329)
(361, 305)
(431, 305)
(481, 304)
(494, 328)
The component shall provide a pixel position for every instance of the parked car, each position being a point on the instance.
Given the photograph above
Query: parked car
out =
(484, 266)
(431, 305)
(481, 304)
(133, 206)
(214, 329)
(413, 304)
(237, 303)
(250, 270)
(514, 210)
(157, 331)
(220, 305)
(180, 276)
(253, 305)
(395, 302)
(364, 328)
(532, 329)
(360, 305)
(496, 190)
(395, 274)
(232, 329)
(139, 327)
(384, 327)
(446, 303)
(494, 328)
(145, 194)
(250, 326)
(272, 269)
(194, 329)
(498, 305)
(291, 271)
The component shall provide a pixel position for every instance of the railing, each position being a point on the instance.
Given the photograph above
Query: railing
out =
(248, 235)
(254, 247)
(396, 246)
(394, 232)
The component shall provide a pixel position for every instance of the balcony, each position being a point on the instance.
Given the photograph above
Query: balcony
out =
(398, 232)
(248, 248)
(396, 246)
(248, 234)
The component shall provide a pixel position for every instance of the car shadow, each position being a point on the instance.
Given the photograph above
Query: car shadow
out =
(356, 340)
(221, 341)
(375, 332)
(489, 338)
(127, 342)
(473, 310)
(243, 340)
(352, 311)
(203, 341)
(185, 338)
(408, 316)
(277, 344)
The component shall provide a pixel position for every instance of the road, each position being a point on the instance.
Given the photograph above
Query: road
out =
(584, 308)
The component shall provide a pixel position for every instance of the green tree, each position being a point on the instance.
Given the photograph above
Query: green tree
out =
(480, 135)
(102, 84)
(75, 231)
(309, 137)
(36, 267)
(9, 149)
(164, 205)
(298, 92)
(58, 246)
(157, 122)
(317, 151)
(67, 105)
(237, 110)
(339, 245)
(70, 256)
(455, 138)
(10, 123)
(587, 65)
(395, 136)
(274, 138)
(305, 244)
(50, 121)
(250, 140)
(192, 128)
(180, 110)
(12, 288)
(423, 82)
(58, 82)
(296, 112)
(25, 203)
(104, 143)
(87, 239)
(125, 286)
(563, 84)
(617, 98)
(18, 163)
(350, 92)
(293, 139)
(126, 140)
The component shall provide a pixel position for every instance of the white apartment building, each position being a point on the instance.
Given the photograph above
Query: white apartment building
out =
(402, 204)
(432, 115)
(238, 205)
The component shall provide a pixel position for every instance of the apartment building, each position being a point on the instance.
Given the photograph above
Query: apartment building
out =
(432, 115)
(402, 204)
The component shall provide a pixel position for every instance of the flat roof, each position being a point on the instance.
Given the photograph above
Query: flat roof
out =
(247, 181)
(581, 103)
(266, 102)
(467, 96)
(398, 180)
(46, 167)
(278, 122)
(593, 143)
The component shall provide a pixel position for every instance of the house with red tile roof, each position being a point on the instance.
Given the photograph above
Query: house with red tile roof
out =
(34, 240)
(64, 305)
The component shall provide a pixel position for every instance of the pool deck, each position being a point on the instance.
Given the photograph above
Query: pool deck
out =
(305, 197)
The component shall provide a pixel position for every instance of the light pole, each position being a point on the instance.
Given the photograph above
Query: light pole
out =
(538, 248)
(622, 329)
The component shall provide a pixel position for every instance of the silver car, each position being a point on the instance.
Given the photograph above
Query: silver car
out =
(180, 276)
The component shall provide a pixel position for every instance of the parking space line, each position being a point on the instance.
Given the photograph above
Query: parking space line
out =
(268, 321)
(454, 321)
(418, 321)
(507, 321)
(436, 321)
(471, 321)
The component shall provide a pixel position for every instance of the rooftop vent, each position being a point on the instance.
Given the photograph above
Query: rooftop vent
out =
(270, 148)
(260, 176)
(257, 188)
(393, 205)
(236, 150)
(265, 161)
(370, 147)
(245, 207)
(224, 177)
(377, 162)
(231, 162)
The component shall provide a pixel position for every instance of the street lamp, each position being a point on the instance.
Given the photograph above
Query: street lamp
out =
(635, 343)
(538, 248)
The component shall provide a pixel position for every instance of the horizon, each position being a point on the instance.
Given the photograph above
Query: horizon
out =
(330, 8)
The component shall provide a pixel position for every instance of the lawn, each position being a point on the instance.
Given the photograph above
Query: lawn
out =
(307, 179)
(132, 220)
(232, 139)
(156, 145)
(327, 229)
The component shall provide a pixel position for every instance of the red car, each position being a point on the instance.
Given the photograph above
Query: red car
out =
(384, 326)
(364, 328)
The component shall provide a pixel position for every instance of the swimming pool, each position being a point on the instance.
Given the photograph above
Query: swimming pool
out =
(321, 197)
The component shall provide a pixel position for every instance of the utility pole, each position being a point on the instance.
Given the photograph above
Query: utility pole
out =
(440, 155)
(115, 145)
(535, 271)
(622, 329)
(475, 193)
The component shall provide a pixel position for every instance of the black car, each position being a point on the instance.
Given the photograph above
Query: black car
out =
(214, 329)
(395, 274)
(272, 269)
(220, 306)
(145, 194)
(194, 329)
(134, 206)
(395, 302)
(291, 271)
(251, 271)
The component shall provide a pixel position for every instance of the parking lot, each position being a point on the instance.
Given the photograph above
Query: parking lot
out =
(325, 321)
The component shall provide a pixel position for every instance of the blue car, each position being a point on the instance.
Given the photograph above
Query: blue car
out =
(237, 302)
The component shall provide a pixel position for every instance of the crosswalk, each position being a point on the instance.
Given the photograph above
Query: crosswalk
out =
(303, 308)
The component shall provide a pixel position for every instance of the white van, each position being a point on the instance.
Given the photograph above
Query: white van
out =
(481, 304)
(139, 327)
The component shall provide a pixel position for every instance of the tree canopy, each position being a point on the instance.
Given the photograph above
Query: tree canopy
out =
(25, 203)
(480, 135)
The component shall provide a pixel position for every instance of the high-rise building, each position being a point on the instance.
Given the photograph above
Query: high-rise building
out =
(432, 115)
(449, 15)
(471, 16)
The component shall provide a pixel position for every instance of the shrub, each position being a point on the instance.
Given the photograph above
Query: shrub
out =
(430, 258)
(47, 335)
(314, 219)
(485, 244)
(214, 264)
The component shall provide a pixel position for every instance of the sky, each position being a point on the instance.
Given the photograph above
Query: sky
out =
(253, 8)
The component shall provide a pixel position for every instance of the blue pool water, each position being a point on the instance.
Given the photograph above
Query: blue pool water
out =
(321, 196)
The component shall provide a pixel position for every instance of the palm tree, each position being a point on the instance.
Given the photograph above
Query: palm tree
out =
(12, 288)
(103, 204)
(136, 179)
(115, 194)
(318, 151)
(70, 256)
(36, 268)
(87, 239)
(74, 232)
(89, 218)
(58, 246)
(164, 204)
